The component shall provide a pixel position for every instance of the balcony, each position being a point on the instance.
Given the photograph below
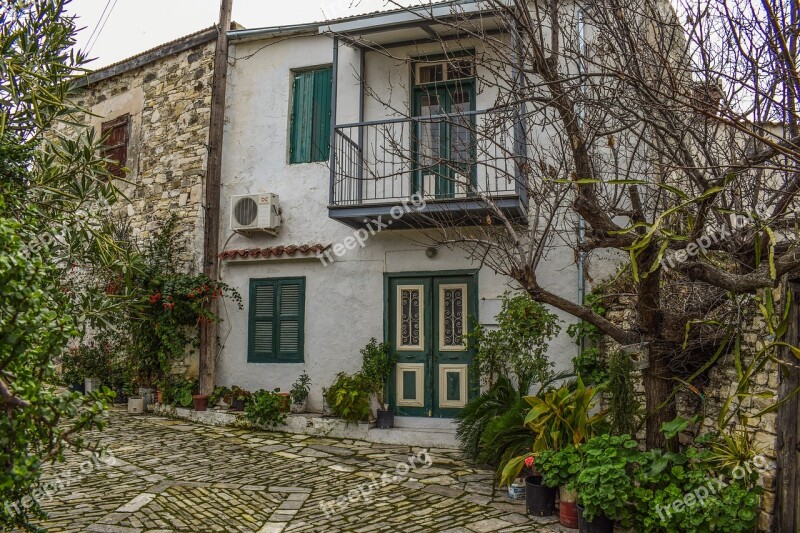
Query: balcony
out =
(441, 170)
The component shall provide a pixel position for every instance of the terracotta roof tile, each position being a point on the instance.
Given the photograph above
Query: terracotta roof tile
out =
(289, 250)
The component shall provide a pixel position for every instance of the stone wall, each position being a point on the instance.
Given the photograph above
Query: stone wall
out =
(169, 103)
(167, 95)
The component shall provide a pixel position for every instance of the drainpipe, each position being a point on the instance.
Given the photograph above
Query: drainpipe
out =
(334, 97)
(581, 221)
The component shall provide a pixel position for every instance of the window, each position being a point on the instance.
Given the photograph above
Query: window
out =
(311, 116)
(277, 308)
(116, 145)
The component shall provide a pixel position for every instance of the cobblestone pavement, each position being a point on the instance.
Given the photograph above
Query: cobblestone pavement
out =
(169, 475)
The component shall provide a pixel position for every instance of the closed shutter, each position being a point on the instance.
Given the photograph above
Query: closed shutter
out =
(309, 138)
(116, 145)
(276, 320)
(262, 321)
(302, 116)
(321, 140)
(290, 320)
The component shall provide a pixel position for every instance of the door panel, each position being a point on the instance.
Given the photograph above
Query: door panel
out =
(428, 322)
(444, 148)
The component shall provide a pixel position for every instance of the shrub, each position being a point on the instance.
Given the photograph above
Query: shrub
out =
(266, 409)
(376, 367)
(623, 409)
(301, 388)
(559, 467)
(348, 397)
(177, 391)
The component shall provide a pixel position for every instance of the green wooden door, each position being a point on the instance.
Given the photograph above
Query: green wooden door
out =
(444, 148)
(428, 318)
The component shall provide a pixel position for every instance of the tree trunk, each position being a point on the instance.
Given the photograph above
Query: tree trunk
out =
(657, 386)
(657, 389)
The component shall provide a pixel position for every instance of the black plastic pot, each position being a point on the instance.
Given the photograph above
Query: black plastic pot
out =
(385, 419)
(540, 500)
(600, 524)
(237, 405)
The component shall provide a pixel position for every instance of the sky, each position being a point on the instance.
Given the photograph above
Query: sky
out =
(128, 27)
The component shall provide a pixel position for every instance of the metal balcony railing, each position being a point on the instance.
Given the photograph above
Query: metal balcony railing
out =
(441, 157)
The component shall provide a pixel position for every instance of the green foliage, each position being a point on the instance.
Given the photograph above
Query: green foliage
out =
(377, 366)
(728, 505)
(267, 408)
(559, 418)
(559, 467)
(623, 408)
(104, 357)
(348, 397)
(301, 388)
(505, 437)
(605, 483)
(562, 417)
(38, 422)
(517, 348)
(480, 412)
(172, 306)
(177, 391)
(219, 393)
(589, 363)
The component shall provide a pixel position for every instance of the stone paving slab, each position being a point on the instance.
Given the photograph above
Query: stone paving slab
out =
(171, 477)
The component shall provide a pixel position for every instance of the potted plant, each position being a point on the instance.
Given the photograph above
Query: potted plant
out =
(299, 393)
(559, 418)
(218, 397)
(266, 409)
(238, 398)
(605, 483)
(559, 470)
(540, 499)
(376, 368)
(348, 397)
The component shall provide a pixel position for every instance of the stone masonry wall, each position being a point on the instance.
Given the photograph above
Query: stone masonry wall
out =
(169, 103)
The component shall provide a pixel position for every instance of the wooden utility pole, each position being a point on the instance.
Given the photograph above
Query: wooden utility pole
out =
(208, 331)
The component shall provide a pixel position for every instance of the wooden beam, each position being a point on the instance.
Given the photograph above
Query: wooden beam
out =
(211, 226)
(787, 499)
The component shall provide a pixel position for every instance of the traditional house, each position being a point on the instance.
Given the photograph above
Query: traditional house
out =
(329, 183)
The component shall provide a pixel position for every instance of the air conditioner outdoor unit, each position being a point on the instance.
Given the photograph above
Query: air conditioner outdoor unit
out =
(255, 213)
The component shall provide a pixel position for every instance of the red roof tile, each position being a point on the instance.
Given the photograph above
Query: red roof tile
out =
(290, 250)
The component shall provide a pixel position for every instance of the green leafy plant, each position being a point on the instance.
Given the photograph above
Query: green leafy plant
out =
(559, 418)
(301, 388)
(623, 407)
(177, 391)
(559, 468)
(517, 348)
(589, 363)
(605, 483)
(376, 367)
(219, 393)
(266, 409)
(348, 397)
(707, 500)
(473, 420)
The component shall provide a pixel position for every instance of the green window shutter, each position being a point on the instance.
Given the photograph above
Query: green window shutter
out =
(277, 309)
(311, 115)
(262, 321)
(291, 307)
(302, 116)
(321, 128)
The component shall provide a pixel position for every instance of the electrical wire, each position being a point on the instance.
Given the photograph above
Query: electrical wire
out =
(108, 16)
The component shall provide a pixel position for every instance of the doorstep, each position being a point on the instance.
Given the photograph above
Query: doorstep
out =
(437, 434)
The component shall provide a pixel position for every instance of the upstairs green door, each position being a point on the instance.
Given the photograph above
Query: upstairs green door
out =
(428, 318)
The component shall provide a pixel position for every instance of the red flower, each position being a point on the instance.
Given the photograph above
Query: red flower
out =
(155, 297)
(529, 461)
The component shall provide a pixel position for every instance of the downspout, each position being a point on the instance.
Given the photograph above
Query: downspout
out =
(334, 97)
(581, 221)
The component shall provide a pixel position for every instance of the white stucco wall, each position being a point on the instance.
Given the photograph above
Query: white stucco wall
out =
(344, 304)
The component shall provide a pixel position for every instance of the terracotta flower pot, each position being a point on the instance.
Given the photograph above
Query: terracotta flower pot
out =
(285, 401)
(160, 396)
(200, 402)
(567, 508)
